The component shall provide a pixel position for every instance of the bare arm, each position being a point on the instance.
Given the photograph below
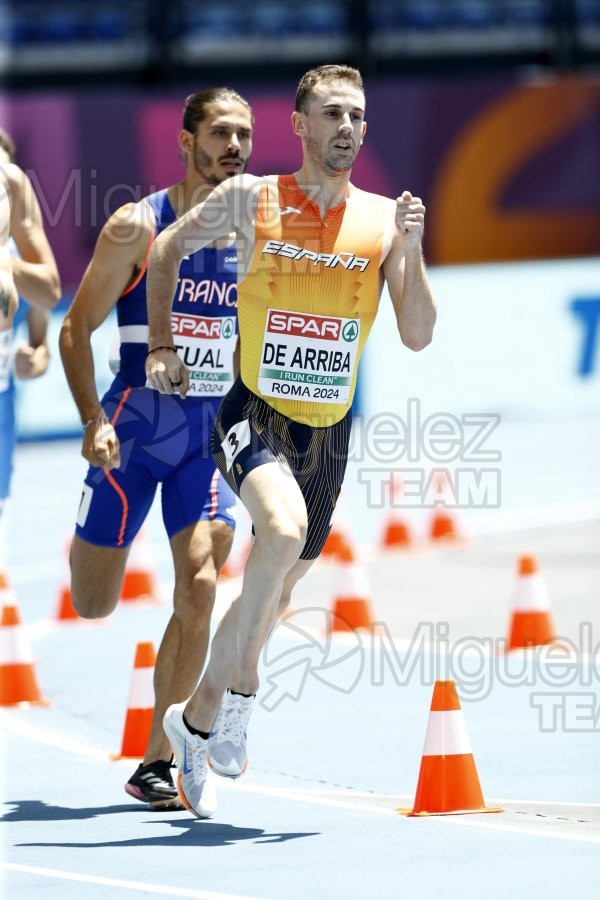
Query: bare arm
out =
(225, 210)
(34, 270)
(119, 253)
(9, 300)
(404, 272)
(31, 359)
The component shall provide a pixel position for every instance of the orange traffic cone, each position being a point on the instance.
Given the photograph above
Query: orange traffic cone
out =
(442, 527)
(396, 533)
(7, 594)
(351, 607)
(65, 611)
(531, 621)
(139, 581)
(18, 682)
(335, 539)
(448, 782)
(236, 562)
(138, 719)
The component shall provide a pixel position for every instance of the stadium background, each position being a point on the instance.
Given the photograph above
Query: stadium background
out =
(489, 110)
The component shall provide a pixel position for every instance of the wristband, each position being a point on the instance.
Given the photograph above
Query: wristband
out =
(154, 349)
(100, 418)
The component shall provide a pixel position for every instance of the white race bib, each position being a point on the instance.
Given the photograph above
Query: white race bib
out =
(236, 439)
(206, 345)
(308, 357)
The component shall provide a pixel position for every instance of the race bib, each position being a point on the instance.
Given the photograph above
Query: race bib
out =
(206, 346)
(236, 439)
(6, 338)
(308, 357)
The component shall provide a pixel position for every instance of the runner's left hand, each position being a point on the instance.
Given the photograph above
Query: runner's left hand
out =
(410, 218)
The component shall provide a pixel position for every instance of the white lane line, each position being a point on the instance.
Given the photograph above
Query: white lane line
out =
(467, 821)
(394, 798)
(165, 889)
(25, 729)
(45, 737)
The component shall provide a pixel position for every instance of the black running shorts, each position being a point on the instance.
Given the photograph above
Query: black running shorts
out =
(248, 433)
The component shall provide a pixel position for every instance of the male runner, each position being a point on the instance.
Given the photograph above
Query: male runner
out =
(314, 254)
(28, 269)
(136, 438)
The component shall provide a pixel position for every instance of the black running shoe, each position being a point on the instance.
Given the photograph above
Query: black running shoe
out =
(153, 784)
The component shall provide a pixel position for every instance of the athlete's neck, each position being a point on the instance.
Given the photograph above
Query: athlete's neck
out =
(327, 190)
(187, 193)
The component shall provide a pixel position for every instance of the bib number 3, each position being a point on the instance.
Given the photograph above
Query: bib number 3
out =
(236, 439)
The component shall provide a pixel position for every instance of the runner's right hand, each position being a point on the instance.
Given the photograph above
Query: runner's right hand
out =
(167, 373)
(101, 445)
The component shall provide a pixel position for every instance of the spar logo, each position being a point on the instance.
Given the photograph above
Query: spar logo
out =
(326, 328)
(202, 327)
(350, 331)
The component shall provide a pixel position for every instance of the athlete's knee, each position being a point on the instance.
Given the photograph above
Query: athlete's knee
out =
(194, 593)
(96, 576)
(282, 538)
(93, 602)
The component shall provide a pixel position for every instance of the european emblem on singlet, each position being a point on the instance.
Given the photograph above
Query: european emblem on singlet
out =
(206, 346)
(308, 357)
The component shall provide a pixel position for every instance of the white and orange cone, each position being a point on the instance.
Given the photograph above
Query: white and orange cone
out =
(140, 581)
(7, 594)
(443, 525)
(18, 682)
(236, 562)
(337, 542)
(351, 606)
(531, 620)
(140, 709)
(65, 611)
(396, 533)
(448, 781)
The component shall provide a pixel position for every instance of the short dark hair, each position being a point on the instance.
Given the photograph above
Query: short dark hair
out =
(325, 73)
(7, 144)
(196, 105)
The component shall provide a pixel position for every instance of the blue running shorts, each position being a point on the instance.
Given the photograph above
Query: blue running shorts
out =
(8, 438)
(164, 440)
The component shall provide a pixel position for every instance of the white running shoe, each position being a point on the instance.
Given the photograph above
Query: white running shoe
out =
(227, 741)
(194, 780)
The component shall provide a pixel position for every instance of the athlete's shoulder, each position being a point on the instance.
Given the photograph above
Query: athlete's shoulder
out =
(132, 222)
(376, 201)
(240, 183)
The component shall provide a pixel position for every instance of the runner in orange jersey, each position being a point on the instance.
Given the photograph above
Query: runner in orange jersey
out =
(315, 252)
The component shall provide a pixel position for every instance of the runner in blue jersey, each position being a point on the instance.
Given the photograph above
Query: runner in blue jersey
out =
(136, 438)
(27, 255)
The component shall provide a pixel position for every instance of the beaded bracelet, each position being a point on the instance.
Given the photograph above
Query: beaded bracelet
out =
(154, 349)
(100, 418)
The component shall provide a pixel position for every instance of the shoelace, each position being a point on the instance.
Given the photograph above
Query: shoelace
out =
(199, 763)
(235, 722)
(158, 774)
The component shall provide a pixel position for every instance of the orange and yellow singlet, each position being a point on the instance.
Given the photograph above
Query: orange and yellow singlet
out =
(308, 303)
